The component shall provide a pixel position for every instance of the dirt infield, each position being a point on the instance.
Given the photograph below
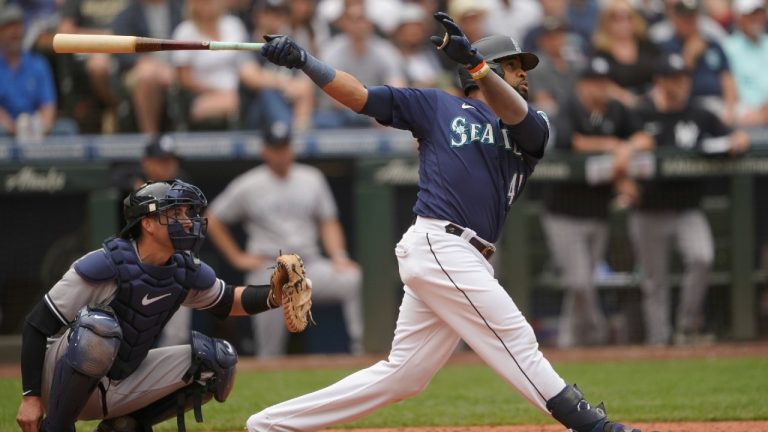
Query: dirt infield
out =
(623, 353)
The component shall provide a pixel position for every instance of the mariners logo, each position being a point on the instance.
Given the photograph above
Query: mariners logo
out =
(463, 133)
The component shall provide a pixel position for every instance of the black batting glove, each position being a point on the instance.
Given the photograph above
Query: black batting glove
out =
(455, 44)
(283, 51)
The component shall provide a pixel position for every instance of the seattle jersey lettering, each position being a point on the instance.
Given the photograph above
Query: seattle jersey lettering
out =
(463, 134)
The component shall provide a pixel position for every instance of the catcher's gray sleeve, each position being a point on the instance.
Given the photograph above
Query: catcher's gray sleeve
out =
(207, 298)
(72, 292)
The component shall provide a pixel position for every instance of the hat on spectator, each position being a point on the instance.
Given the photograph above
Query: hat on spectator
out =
(596, 67)
(670, 64)
(272, 5)
(552, 24)
(10, 13)
(161, 146)
(411, 13)
(277, 135)
(746, 7)
(462, 8)
(686, 7)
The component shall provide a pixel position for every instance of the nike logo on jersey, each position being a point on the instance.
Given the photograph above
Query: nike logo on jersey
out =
(146, 301)
(467, 106)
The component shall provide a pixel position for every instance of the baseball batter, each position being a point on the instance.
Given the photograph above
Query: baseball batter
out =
(476, 154)
(115, 301)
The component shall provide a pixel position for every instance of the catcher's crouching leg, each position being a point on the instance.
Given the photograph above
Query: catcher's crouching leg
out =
(212, 375)
(571, 409)
(92, 347)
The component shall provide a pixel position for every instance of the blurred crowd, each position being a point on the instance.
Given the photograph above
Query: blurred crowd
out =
(723, 42)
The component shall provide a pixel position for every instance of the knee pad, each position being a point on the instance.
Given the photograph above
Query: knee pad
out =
(217, 356)
(571, 409)
(94, 341)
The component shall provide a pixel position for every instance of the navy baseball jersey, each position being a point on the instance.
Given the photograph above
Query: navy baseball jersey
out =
(472, 166)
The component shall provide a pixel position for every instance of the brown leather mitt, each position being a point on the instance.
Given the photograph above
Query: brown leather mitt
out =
(292, 289)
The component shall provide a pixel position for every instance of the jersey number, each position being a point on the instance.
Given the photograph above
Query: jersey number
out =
(514, 188)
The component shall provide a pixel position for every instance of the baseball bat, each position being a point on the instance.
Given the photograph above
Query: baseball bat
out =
(113, 44)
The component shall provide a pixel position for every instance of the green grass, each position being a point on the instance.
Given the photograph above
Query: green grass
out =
(699, 390)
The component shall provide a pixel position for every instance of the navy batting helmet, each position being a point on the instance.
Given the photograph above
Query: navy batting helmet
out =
(494, 49)
(155, 197)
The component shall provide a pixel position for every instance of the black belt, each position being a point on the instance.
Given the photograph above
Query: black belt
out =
(484, 249)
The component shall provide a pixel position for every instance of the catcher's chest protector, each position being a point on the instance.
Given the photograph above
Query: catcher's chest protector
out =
(147, 297)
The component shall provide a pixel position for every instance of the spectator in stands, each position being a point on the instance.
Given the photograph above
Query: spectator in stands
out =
(41, 20)
(148, 76)
(554, 79)
(271, 93)
(747, 51)
(621, 38)
(243, 10)
(306, 25)
(382, 13)
(360, 52)
(576, 216)
(420, 61)
(663, 30)
(713, 84)
(471, 16)
(28, 92)
(580, 14)
(288, 206)
(92, 17)
(669, 210)
(210, 77)
(525, 14)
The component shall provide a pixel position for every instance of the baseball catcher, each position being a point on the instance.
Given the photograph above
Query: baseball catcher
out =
(108, 310)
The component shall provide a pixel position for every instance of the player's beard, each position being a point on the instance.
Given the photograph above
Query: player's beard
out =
(521, 91)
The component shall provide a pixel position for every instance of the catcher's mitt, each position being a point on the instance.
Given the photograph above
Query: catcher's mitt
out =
(290, 287)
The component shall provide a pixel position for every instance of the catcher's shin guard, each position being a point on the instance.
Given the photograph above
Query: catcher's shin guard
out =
(571, 409)
(217, 356)
(92, 348)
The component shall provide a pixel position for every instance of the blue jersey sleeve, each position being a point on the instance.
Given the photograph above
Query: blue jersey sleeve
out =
(531, 134)
(414, 110)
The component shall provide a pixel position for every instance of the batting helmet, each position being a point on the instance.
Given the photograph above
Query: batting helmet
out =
(494, 49)
(155, 197)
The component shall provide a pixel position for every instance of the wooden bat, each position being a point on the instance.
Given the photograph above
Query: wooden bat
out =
(111, 44)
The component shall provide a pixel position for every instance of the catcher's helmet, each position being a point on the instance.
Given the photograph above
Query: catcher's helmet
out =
(494, 49)
(155, 197)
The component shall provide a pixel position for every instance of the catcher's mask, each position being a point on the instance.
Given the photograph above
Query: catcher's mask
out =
(156, 199)
(495, 49)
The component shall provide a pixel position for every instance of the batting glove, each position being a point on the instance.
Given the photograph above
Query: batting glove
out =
(455, 44)
(283, 51)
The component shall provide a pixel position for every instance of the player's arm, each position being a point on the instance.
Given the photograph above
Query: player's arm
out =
(504, 100)
(224, 300)
(38, 326)
(341, 86)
